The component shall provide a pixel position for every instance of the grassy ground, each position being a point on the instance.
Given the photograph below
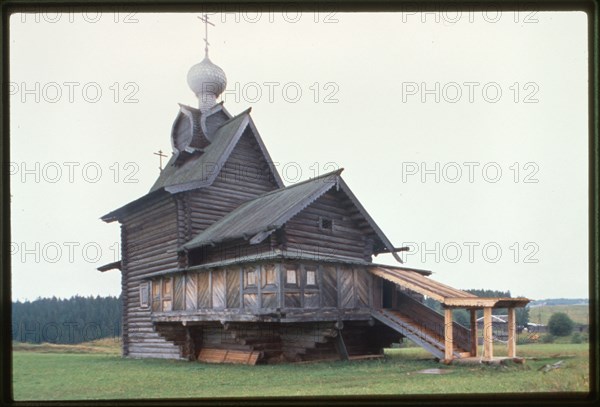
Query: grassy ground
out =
(109, 346)
(49, 373)
(541, 315)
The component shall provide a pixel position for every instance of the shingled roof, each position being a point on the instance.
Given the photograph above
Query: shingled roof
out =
(258, 218)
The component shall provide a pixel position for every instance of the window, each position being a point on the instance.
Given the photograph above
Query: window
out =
(311, 278)
(268, 276)
(144, 295)
(326, 223)
(250, 278)
(290, 277)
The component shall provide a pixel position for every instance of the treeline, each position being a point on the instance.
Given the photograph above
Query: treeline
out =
(462, 316)
(66, 321)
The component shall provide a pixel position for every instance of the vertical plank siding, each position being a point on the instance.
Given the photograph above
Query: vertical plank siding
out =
(204, 290)
(329, 292)
(346, 282)
(191, 291)
(218, 289)
(178, 292)
(233, 288)
(361, 287)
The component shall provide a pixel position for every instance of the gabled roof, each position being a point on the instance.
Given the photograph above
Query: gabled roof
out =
(200, 171)
(258, 218)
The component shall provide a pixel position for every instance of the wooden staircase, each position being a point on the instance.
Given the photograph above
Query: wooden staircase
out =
(425, 328)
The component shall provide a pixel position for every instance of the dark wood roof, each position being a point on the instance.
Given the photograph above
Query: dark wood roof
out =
(258, 218)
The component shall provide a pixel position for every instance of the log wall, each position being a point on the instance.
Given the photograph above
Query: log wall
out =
(149, 241)
(350, 235)
(244, 176)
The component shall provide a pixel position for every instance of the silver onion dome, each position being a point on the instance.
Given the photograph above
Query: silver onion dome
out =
(207, 81)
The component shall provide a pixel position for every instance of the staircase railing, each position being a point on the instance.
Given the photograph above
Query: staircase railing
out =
(432, 320)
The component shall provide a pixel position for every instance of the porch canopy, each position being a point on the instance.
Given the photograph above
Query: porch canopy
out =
(451, 298)
(448, 296)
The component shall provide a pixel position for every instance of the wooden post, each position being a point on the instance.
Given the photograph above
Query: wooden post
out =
(448, 337)
(474, 338)
(341, 346)
(488, 345)
(189, 348)
(512, 333)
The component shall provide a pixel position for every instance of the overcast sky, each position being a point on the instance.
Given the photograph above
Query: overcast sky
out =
(463, 135)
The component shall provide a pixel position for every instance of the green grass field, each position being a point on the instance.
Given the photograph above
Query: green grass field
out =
(96, 371)
(541, 314)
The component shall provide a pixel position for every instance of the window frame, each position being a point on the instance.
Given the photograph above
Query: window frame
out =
(323, 219)
(247, 272)
(294, 270)
(144, 298)
(315, 283)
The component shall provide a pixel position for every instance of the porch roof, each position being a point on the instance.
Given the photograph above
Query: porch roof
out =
(449, 297)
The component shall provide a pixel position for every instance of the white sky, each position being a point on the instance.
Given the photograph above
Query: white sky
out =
(373, 68)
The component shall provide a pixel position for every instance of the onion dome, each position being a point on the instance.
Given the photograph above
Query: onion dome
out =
(207, 81)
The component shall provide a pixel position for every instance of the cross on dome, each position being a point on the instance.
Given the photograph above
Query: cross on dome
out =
(204, 19)
(206, 79)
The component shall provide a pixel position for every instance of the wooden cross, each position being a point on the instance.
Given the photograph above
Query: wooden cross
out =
(204, 19)
(160, 157)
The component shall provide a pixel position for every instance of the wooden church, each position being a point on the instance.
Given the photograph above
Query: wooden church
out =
(221, 262)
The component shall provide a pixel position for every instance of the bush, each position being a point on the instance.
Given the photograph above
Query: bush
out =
(577, 338)
(560, 324)
(548, 338)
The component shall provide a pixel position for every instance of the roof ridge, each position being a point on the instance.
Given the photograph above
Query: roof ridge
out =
(336, 172)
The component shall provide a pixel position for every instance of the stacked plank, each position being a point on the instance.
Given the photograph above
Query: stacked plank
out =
(211, 355)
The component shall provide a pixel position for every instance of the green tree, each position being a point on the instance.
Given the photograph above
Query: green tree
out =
(462, 317)
(522, 316)
(560, 324)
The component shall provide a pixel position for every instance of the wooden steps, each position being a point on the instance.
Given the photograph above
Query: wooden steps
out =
(240, 357)
(422, 334)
